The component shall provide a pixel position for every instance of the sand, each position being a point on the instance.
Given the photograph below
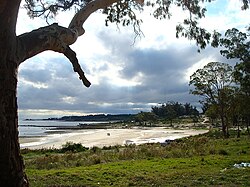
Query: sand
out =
(107, 137)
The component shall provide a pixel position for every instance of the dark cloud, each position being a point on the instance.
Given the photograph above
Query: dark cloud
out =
(160, 74)
(162, 81)
(39, 75)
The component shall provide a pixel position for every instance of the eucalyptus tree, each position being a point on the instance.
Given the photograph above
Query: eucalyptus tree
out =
(236, 45)
(212, 83)
(14, 50)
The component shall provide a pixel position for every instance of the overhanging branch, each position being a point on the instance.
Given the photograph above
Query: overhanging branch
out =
(71, 55)
(53, 37)
(58, 39)
(82, 15)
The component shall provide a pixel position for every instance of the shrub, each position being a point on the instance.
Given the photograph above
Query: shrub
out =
(72, 147)
(95, 149)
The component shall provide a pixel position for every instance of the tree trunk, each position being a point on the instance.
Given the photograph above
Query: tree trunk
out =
(224, 128)
(11, 162)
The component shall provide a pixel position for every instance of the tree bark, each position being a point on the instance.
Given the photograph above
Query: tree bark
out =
(11, 162)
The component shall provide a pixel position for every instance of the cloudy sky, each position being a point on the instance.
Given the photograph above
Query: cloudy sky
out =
(126, 77)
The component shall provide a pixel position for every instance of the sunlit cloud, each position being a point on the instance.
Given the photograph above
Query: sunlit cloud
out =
(69, 100)
(127, 75)
(38, 85)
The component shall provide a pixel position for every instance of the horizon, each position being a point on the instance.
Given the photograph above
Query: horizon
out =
(126, 77)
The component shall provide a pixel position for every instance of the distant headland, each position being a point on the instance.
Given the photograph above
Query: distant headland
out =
(96, 117)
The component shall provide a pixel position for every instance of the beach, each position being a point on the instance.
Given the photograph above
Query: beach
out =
(107, 137)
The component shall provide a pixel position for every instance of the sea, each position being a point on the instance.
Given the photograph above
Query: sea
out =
(34, 128)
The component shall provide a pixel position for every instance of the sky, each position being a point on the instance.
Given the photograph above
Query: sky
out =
(127, 75)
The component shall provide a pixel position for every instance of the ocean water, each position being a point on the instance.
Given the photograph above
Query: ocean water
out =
(42, 127)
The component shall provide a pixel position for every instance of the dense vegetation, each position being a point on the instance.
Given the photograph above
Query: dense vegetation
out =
(168, 113)
(204, 160)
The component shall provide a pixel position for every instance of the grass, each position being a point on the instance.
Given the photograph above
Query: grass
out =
(204, 160)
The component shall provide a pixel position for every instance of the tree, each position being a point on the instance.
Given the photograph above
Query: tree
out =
(14, 50)
(237, 46)
(172, 110)
(212, 82)
(145, 117)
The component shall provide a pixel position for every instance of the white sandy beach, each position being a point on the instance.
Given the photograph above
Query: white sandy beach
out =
(107, 137)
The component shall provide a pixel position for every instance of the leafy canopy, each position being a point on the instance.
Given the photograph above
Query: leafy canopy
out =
(210, 80)
(123, 12)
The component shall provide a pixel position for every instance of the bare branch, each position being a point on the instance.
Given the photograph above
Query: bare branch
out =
(53, 37)
(71, 55)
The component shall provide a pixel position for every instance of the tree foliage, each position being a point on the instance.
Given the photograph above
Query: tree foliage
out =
(237, 46)
(172, 110)
(212, 82)
(209, 81)
(124, 12)
(145, 117)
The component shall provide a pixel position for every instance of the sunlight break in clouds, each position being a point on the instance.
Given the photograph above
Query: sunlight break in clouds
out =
(199, 65)
(126, 77)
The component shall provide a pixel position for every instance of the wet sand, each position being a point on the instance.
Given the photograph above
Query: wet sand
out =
(107, 137)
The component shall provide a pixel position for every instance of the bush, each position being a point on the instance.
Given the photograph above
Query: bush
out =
(73, 147)
(95, 149)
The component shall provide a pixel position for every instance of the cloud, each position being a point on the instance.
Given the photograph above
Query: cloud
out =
(126, 77)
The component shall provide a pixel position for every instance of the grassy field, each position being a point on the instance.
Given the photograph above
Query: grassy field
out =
(204, 160)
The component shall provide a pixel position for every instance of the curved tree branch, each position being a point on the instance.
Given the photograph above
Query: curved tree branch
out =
(53, 37)
(58, 38)
(82, 15)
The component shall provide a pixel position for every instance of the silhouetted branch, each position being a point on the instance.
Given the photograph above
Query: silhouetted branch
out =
(71, 55)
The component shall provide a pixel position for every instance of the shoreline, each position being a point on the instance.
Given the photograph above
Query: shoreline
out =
(106, 137)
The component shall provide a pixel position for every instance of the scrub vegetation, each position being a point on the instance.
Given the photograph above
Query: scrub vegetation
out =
(203, 160)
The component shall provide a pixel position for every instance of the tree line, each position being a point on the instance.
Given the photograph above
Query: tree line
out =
(172, 110)
(168, 112)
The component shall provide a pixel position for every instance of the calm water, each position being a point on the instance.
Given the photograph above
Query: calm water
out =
(39, 128)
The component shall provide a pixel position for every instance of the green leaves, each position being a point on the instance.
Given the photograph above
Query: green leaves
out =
(49, 9)
(123, 13)
(210, 80)
(237, 46)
